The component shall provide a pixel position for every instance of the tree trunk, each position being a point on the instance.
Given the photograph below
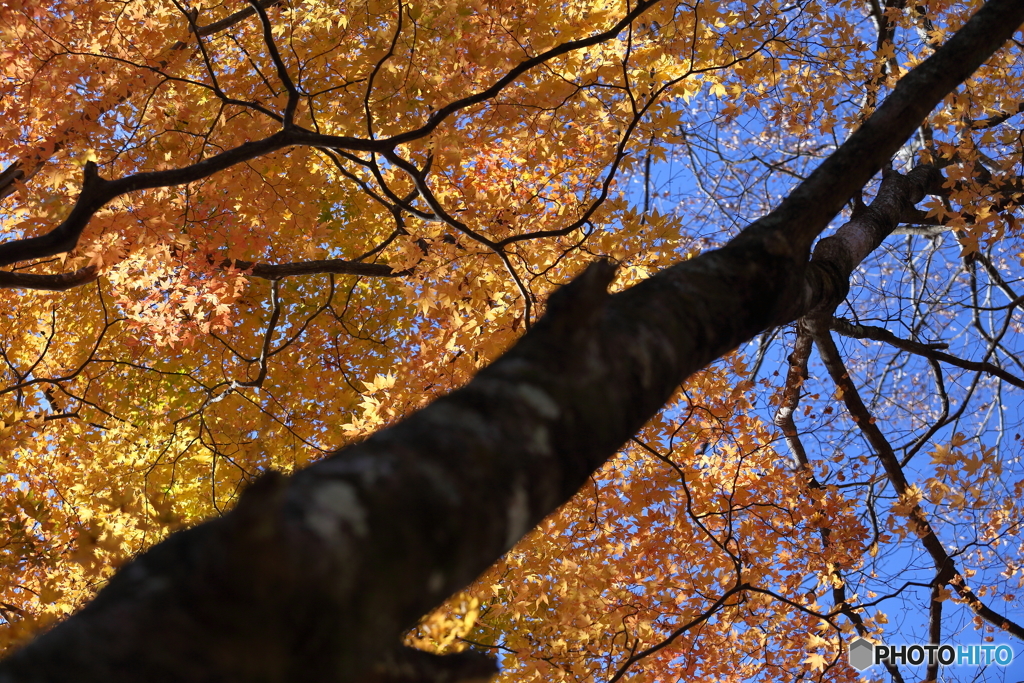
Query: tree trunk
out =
(317, 576)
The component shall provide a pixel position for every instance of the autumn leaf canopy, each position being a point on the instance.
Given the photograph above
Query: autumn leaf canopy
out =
(238, 236)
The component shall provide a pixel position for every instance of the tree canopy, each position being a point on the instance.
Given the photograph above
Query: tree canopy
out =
(242, 237)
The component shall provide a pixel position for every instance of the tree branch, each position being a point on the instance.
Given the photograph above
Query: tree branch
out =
(268, 271)
(16, 171)
(57, 282)
(96, 192)
(849, 329)
(232, 19)
(795, 378)
(945, 565)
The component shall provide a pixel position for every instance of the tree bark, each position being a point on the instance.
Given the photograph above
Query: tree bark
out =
(317, 576)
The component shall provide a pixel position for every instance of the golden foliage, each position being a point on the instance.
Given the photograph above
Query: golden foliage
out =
(144, 401)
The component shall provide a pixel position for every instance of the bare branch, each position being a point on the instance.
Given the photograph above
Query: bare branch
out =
(945, 565)
(849, 329)
(795, 378)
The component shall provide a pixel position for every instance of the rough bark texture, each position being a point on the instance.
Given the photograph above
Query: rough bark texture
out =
(314, 578)
(836, 256)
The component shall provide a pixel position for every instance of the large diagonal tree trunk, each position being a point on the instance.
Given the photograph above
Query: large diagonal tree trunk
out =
(316, 577)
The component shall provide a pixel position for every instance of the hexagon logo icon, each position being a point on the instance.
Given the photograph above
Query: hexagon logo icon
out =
(861, 654)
